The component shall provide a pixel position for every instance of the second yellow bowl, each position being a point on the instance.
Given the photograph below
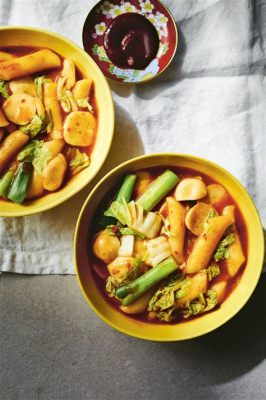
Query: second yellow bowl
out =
(190, 328)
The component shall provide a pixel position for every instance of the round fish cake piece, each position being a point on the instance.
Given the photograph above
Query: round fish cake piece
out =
(79, 128)
(20, 108)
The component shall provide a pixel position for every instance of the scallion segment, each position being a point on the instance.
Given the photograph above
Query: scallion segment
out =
(157, 190)
(124, 194)
(20, 184)
(126, 189)
(5, 182)
(133, 290)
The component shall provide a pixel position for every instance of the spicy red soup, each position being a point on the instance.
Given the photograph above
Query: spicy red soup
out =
(169, 245)
(48, 122)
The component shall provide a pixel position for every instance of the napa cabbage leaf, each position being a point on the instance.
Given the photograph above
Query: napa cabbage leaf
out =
(4, 89)
(222, 251)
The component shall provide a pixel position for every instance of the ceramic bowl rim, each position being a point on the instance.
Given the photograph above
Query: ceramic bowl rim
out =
(234, 310)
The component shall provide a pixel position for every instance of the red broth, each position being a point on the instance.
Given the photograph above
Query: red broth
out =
(99, 269)
(20, 51)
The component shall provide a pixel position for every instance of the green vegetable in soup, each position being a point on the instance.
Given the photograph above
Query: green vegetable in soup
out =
(213, 271)
(28, 152)
(211, 299)
(116, 211)
(4, 89)
(84, 103)
(34, 127)
(36, 153)
(67, 101)
(42, 156)
(212, 213)
(124, 194)
(129, 231)
(146, 223)
(125, 270)
(79, 160)
(20, 184)
(126, 189)
(39, 81)
(5, 182)
(165, 296)
(202, 304)
(132, 214)
(111, 285)
(184, 289)
(157, 190)
(158, 250)
(116, 230)
(194, 307)
(163, 300)
(133, 290)
(222, 251)
(135, 217)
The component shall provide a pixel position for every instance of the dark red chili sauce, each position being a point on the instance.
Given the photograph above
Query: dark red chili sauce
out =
(131, 41)
(99, 268)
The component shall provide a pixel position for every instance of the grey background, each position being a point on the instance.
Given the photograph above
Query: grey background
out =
(53, 347)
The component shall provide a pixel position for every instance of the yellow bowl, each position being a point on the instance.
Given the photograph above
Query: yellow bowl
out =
(24, 36)
(195, 327)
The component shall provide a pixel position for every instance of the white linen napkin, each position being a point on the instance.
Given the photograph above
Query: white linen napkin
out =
(210, 102)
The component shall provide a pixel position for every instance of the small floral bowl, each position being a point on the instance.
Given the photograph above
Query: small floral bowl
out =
(100, 17)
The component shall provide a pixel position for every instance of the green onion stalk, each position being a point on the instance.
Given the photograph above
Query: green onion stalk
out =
(5, 182)
(19, 187)
(124, 194)
(126, 189)
(157, 190)
(133, 290)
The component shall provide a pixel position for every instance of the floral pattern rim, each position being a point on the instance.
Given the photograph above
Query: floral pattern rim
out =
(155, 12)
